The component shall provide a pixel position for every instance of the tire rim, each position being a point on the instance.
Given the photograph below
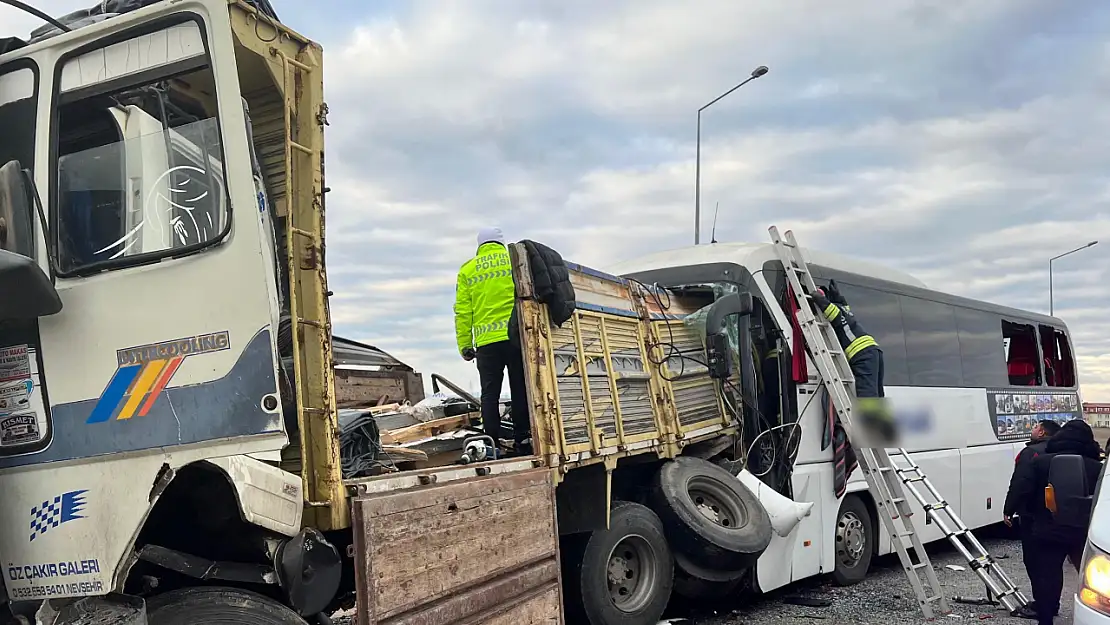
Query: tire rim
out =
(851, 537)
(717, 503)
(631, 573)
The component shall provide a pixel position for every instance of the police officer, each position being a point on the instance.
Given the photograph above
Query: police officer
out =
(864, 357)
(484, 298)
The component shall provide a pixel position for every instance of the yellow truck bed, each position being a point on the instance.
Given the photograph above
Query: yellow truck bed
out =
(624, 376)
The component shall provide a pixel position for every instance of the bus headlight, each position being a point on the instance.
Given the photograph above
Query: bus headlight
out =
(1095, 591)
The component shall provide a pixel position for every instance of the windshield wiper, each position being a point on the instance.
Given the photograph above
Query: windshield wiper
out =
(37, 13)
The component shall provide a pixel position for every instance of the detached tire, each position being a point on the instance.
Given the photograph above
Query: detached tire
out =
(699, 583)
(854, 542)
(624, 575)
(709, 516)
(218, 606)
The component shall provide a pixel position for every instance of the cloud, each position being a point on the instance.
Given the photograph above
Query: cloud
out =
(961, 142)
(956, 142)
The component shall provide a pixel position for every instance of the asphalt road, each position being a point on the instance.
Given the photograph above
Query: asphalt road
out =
(885, 598)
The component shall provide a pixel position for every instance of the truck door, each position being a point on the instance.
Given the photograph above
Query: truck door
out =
(475, 545)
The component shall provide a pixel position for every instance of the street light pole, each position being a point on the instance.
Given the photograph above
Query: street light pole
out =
(756, 73)
(1051, 304)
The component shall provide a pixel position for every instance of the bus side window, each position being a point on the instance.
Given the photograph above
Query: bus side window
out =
(1058, 363)
(1022, 361)
(982, 348)
(880, 314)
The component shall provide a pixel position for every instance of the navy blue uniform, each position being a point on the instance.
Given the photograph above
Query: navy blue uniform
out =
(861, 349)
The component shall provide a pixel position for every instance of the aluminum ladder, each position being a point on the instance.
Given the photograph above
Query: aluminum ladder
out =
(886, 480)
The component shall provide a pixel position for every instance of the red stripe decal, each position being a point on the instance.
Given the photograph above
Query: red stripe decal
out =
(160, 385)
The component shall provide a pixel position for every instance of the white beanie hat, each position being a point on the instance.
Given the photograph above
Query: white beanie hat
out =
(490, 235)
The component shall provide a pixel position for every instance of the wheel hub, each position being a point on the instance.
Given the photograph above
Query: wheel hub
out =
(713, 509)
(850, 538)
(716, 502)
(630, 574)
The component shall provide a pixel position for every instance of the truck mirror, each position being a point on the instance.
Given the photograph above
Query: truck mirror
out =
(716, 341)
(1068, 494)
(17, 232)
(731, 304)
(28, 292)
(720, 363)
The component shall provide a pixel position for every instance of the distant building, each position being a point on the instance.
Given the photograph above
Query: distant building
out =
(1096, 415)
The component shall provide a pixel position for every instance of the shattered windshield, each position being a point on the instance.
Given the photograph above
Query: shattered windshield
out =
(140, 172)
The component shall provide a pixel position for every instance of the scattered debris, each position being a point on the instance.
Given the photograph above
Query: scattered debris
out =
(398, 436)
(954, 567)
(809, 602)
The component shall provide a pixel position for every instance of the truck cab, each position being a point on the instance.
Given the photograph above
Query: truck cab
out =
(147, 405)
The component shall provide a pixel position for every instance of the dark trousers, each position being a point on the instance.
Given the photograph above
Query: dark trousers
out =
(867, 367)
(493, 359)
(1047, 576)
(1028, 551)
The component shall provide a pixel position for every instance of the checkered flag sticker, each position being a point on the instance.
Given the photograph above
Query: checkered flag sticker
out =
(52, 513)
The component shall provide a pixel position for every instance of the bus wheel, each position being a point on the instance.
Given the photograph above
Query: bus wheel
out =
(227, 606)
(710, 516)
(855, 542)
(627, 571)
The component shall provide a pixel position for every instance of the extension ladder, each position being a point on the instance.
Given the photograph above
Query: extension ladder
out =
(886, 480)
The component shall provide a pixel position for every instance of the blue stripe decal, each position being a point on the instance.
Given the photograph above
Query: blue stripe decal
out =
(110, 398)
(621, 312)
(595, 273)
(225, 408)
(624, 312)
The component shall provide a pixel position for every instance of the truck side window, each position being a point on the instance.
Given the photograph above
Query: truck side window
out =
(140, 166)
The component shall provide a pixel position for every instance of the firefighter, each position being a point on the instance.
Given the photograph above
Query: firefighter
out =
(864, 356)
(484, 298)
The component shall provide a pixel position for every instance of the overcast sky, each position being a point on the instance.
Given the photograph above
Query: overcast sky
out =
(963, 142)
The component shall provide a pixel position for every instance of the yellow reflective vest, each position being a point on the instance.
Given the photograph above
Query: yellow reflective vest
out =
(484, 298)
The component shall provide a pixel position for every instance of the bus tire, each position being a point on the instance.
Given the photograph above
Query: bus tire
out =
(709, 515)
(201, 605)
(625, 574)
(854, 541)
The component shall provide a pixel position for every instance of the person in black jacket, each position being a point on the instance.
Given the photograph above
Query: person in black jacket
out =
(1042, 432)
(551, 286)
(1053, 542)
